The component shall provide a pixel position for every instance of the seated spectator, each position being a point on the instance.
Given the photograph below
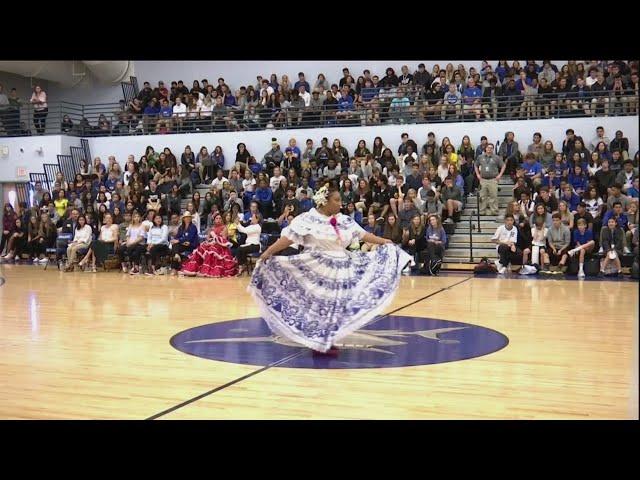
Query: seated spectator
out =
(436, 243)
(506, 238)
(626, 176)
(633, 217)
(451, 103)
(8, 225)
(558, 241)
(407, 209)
(539, 233)
(252, 242)
(184, 241)
(413, 238)
(82, 238)
(565, 215)
(617, 214)
(106, 244)
(451, 196)
(67, 124)
(616, 195)
(134, 246)
(44, 237)
(213, 257)
(392, 229)
(612, 243)
(157, 243)
(583, 244)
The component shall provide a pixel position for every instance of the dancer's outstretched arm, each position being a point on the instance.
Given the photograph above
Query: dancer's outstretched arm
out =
(371, 238)
(279, 245)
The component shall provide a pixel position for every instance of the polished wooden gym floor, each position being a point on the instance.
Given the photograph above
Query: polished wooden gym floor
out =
(97, 346)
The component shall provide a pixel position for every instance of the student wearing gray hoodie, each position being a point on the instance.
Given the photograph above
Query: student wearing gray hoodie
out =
(558, 240)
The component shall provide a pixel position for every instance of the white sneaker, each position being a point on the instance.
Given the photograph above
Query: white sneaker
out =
(522, 271)
(601, 250)
(44, 260)
(501, 270)
(626, 250)
(573, 252)
(413, 263)
(581, 274)
(498, 264)
(448, 220)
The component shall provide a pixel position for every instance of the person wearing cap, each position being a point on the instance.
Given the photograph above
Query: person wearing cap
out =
(273, 157)
(185, 241)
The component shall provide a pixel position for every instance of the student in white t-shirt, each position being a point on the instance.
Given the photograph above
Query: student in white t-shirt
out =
(179, 112)
(506, 237)
(219, 181)
(274, 181)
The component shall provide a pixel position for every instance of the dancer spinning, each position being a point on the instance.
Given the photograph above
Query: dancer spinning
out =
(322, 295)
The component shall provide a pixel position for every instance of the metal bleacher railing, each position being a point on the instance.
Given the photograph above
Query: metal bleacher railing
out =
(408, 105)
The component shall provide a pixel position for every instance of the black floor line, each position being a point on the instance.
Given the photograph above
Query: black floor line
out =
(289, 357)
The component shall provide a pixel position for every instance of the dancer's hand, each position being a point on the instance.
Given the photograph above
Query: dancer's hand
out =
(266, 255)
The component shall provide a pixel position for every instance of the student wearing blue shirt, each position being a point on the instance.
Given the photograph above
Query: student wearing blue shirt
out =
(583, 244)
(617, 214)
(254, 209)
(571, 198)
(150, 115)
(264, 197)
(303, 82)
(560, 166)
(166, 111)
(578, 180)
(345, 104)
(472, 95)
(371, 226)
(532, 169)
(552, 180)
(353, 213)
(306, 203)
(635, 189)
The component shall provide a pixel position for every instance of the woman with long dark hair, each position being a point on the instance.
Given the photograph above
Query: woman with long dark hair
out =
(213, 257)
(330, 292)
(436, 239)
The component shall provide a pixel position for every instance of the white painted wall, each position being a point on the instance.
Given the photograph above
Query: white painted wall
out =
(29, 158)
(23, 85)
(259, 142)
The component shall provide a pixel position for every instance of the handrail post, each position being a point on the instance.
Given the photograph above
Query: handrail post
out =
(478, 211)
(471, 237)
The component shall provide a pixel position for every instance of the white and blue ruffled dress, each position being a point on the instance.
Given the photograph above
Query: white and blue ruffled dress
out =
(320, 296)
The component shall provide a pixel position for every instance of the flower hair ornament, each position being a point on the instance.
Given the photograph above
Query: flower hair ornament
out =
(320, 197)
